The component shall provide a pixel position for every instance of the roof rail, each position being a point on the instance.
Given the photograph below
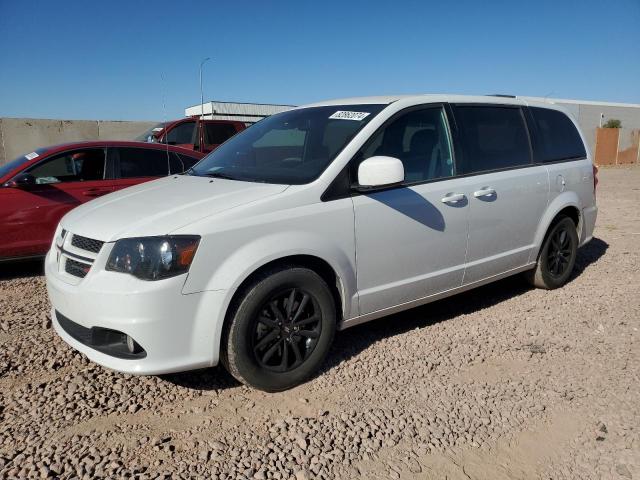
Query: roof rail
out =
(501, 95)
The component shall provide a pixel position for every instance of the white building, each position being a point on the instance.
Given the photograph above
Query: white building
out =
(243, 112)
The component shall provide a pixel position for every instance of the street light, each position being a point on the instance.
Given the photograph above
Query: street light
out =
(201, 95)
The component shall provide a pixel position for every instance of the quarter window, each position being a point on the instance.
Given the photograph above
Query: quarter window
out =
(138, 162)
(493, 138)
(75, 166)
(420, 139)
(557, 136)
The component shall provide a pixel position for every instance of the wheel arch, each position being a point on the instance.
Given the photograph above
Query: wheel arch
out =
(567, 204)
(331, 260)
(311, 262)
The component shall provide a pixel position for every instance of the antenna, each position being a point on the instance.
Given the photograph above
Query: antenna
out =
(201, 94)
(164, 120)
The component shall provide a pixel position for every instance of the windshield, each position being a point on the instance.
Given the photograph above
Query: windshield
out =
(292, 147)
(13, 164)
(148, 135)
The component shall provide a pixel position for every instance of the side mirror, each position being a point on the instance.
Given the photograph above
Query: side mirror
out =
(23, 180)
(376, 172)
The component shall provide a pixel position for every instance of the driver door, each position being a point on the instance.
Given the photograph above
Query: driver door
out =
(411, 240)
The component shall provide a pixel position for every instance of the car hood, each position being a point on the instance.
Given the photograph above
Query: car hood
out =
(161, 206)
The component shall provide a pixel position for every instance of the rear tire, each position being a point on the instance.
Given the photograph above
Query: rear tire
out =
(557, 256)
(281, 331)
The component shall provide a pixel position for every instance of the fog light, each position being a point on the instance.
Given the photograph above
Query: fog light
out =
(131, 345)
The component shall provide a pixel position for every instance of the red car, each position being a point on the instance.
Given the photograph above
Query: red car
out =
(38, 188)
(193, 133)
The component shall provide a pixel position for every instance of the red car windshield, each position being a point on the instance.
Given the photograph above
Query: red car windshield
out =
(150, 134)
(22, 159)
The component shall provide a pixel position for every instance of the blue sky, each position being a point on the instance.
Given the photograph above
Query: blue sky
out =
(119, 59)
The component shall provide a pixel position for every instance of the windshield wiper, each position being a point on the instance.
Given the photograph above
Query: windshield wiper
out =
(224, 176)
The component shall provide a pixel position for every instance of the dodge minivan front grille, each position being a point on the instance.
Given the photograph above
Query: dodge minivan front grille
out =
(76, 254)
(88, 244)
(77, 269)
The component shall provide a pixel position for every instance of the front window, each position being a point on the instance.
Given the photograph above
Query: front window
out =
(75, 166)
(420, 139)
(292, 147)
(181, 134)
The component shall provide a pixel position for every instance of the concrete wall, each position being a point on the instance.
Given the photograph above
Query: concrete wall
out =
(120, 130)
(23, 135)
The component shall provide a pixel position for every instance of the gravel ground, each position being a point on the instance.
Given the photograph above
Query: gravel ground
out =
(503, 382)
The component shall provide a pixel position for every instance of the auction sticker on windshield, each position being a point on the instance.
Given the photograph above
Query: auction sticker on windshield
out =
(345, 115)
(31, 156)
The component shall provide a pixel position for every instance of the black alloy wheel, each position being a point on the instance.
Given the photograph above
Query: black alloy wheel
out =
(557, 256)
(559, 252)
(279, 331)
(286, 330)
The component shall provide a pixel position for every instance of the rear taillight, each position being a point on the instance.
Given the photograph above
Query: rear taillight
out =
(595, 178)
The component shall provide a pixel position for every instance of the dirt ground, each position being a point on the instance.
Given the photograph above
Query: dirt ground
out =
(503, 382)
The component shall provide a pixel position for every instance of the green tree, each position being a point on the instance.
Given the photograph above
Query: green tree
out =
(613, 123)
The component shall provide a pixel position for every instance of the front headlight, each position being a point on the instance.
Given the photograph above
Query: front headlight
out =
(153, 258)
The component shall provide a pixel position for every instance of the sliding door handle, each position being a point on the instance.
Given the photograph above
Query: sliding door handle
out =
(453, 198)
(484, 192)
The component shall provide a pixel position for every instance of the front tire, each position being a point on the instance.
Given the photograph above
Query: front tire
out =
(557, 257)
(281, 331)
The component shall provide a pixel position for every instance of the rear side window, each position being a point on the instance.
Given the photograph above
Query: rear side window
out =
(217, 133)
(181, 134)
(138, 162)
(556, 136)
(493, 138)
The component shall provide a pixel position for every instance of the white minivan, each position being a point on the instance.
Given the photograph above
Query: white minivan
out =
(317, 219)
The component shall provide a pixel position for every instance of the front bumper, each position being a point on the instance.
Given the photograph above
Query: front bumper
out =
(177, 331)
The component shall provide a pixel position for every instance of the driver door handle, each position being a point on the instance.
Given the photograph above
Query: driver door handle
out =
(484, 192)
(453, 198)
